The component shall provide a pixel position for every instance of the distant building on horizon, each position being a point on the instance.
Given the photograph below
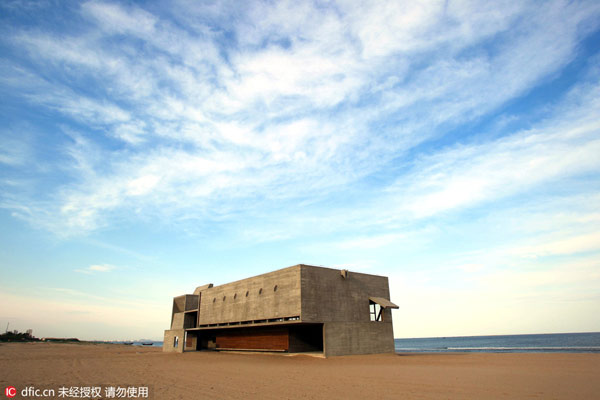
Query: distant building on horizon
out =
(302, 308)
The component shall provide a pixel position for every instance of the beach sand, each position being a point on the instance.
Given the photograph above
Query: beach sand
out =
(209, 375)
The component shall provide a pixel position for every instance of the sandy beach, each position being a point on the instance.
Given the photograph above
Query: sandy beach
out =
(208, 375)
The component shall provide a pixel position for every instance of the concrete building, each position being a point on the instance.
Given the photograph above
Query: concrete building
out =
(296, 309)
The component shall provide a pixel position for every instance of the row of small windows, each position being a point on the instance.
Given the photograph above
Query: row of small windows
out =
(260, 291)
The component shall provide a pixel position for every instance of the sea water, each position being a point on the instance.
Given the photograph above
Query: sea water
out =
(539, 343)
(154, 344)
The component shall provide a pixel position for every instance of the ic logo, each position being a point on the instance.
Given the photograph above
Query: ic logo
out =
(10, 391)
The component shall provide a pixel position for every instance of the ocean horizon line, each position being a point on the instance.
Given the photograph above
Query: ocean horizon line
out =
(577, 342)
(495, 335)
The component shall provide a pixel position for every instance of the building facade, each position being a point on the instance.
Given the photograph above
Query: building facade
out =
(296, 309)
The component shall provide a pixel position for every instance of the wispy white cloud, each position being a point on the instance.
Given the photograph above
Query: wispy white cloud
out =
(589, 242)
(469, 174)
(92, 269)
(115, 19)
(371, 241)
(14, 150)
(298, 99)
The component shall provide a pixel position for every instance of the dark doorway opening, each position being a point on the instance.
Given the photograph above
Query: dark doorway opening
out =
(306, 338)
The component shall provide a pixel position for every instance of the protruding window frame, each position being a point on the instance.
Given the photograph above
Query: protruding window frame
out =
(375, 312)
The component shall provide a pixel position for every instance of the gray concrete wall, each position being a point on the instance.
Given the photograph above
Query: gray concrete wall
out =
(327, 296)
(345, 338)
(229, 303)
(183, 303)
(191, 302)
(169, 339)
(343, 305)
(177, 321)
(179, 304)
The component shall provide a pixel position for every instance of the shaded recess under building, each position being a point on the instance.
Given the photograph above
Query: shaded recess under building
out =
(296, 309)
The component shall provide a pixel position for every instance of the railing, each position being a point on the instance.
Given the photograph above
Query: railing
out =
(252, 322)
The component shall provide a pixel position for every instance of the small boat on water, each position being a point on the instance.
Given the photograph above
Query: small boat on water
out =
(147, 343)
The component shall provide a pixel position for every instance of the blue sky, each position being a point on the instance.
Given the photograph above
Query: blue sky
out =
(452, 146)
